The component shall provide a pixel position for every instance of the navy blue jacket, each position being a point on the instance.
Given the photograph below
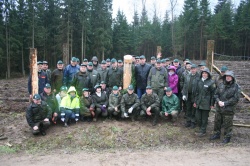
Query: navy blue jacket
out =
(42, 80)
(141, 75)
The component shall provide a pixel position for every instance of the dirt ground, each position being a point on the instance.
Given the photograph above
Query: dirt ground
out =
(112, 142)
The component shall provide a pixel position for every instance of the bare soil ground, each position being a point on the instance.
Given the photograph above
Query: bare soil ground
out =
(111, 142)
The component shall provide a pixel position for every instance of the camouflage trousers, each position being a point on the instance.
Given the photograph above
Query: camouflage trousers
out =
(160, 93)
(223, 120)
(112, 111)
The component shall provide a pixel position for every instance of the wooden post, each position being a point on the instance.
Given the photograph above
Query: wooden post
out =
(127, 71)
(210, 54)
(158, 53)
(65, 53)
(34, 71)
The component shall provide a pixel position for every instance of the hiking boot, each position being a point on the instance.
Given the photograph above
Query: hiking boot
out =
(188, 124)
(43, 133)
(193, 125)
(154, 123)
(215, 136)
(94, 119)
(65, 124)
(226, 140)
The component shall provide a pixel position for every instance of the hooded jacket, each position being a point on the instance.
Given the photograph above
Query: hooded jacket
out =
(70, 103)
(173, 80)
(227, 92)
(97, 66)
(204, 97)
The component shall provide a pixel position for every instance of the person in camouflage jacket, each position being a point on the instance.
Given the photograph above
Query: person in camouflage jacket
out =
(130, 104)
(227, 97)
(150, 104)
(114, 103)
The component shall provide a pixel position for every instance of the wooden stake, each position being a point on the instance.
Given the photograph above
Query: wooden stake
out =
(241, 125)
(210, 51)
(34, 71)
(127, 71)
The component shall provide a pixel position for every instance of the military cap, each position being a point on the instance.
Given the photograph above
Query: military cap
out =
(103, 82)
(176, 60)
(63, 88)
(148, 87)
(167, 59)
(90, 64)
(74, 59)
(77, 59)
(85, 60)
(108, 60)
(137, 57)
(60, 62)
(83, 65)
(36, 97)
(223, 68)
(168, 89)
(115, 88)
(158, 61)
(103, 62)
(97, 86)
(202, 64)
(153, 58)
(193, 66)
(119, 61)
(45, 62)
(142, 57)
(130, 87)
(163, 60)
(47, 85)
(39, 62)
(113, 60)
(85, 89)
(188, 62)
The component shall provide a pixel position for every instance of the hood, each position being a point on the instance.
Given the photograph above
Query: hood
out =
(72, 89)
(171, 68)
(207, 71)
(229, 73)
(94, 58)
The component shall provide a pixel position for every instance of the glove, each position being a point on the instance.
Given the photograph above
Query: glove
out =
(103, 108)
(221, 104)
(130, 110)
(184, 98)
(126, 115)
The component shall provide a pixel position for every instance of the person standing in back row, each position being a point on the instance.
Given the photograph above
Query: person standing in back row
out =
(141, 75)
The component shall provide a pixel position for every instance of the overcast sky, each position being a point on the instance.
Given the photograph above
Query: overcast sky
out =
(128, 7)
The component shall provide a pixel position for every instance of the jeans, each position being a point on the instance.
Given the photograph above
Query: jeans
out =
(140, 92)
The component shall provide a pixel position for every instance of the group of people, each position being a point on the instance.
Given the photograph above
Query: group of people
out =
(162, 88)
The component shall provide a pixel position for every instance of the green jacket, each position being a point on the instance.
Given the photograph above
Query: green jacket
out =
(129, 101)
(150, 101)
(229, 94)
(100, 101)
(193, 85)
(204, 97)
(170, 104)
(103, 74)
(114, 77)
(94, 77)
(115, 101)
(36, 113)
(157, 78)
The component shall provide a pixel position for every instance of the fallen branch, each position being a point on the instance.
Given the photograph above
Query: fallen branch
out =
(15, 99)
(241, 125)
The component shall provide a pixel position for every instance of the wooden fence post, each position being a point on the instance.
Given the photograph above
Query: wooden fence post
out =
(210, 54)
(127, 71)
(34, 70)
(65, 53)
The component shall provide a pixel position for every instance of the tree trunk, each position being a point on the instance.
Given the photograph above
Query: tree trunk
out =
(34, 72)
